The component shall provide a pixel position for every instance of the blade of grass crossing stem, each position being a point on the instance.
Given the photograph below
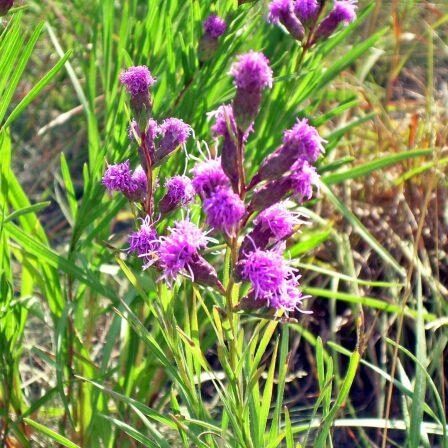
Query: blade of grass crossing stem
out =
(282, 370)
(50, 433)
(69, 188)
(288, 430)
(343, 394)
(362, 231)
(416, 417)
(267, 396)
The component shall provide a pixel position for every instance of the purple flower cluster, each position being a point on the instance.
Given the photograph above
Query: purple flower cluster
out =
(278, 221)
(214, 26)
(144, 242)
(273, 280)
(179, 192)
(300, 16)
(120, 178)
(174, 133)
(137, 80)
(208, 177)
(251, 72)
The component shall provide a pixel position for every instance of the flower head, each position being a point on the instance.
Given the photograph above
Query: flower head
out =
(180, 190)
(224, 210)
(208, 177)
(117, 177)
(278, 9)
(144, 242)
(178, 250)
(345, 11)
(305, 140)
(303, 179)
(266, 270)
(214, 26)
(174, 132)
(152, 129)
(279, 220)
(306, 10)
(137, 80)
(224, 120)
(251, 72)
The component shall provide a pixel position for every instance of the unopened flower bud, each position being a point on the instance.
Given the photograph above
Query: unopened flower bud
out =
(271, 193)
(344, 11)
(281, 11)
(214, 28)
(179, 192)
(204, 273)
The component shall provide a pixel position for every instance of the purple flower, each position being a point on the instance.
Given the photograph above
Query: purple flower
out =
(178, 250)
(279, 220)
(152, 130)
(137, 80)
(251, 72)
(179, 192)
(303, 180)
(289, 297)
(224, 210)
(344, 11)
(304, 140)
(214, 26)
(281, 11)
(224, 120)
(117, 177)
(208, 177)
(306, 10)
(174, 132)
(138, 185)
(144, 242)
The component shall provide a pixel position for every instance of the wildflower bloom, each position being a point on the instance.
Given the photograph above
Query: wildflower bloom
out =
(144, 242)
(344, 11)
(214, 26)
(224, 210)
(208, 177)
(281, 11)
(252, 74)
(117, 177)
(304, 140)
(138, 185)
(278, 220)
(174, 132)
(179, 192)
(137, 80)
(301, 142)
(178, 250)
(303, 180)
(306, 10)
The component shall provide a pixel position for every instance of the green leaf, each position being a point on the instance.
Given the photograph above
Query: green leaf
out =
(50, 433)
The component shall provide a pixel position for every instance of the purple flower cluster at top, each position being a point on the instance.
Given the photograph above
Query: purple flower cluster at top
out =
(137, 79)
(214, 26)
(297, 16)
(251, 72)
(174, 132)
(120, 178)
(177, 251)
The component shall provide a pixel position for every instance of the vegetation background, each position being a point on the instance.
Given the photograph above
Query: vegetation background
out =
(79, 368)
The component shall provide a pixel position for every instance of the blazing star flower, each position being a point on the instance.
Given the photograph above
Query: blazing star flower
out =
(178, 250)
(279, 220)
(152, 130)
(179, 192)
(214, 26)
(251, 72)
(302, 181)
(139, 183)
(137, 80)
(208, 177)
(289, 297)
(117, 177)
(174, 132)
(266, 270)
(144, 242)
(344, 11)
(304, 140)
(224, 120)
(224, 210)
(281, 11)
(306, 10)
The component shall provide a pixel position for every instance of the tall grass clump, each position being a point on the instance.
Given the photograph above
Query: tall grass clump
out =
(192, 271)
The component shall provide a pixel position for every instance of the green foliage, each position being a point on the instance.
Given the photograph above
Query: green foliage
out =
(131, 360)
